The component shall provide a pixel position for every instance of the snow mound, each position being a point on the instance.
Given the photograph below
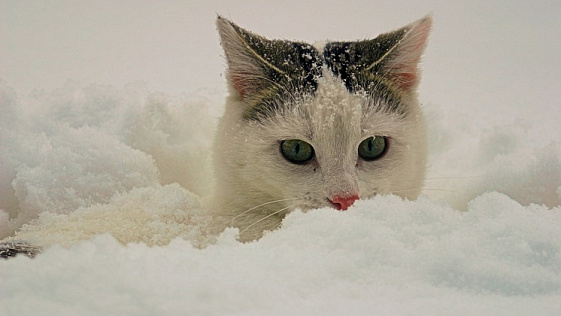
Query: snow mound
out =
(80, 146)
(152, 215)
(382, 255)
(104, 191)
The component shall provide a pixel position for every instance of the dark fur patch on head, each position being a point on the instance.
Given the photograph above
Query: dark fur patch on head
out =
(360, 65)
(300, 66)
(274, 74)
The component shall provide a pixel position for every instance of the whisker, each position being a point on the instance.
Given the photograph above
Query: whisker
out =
(221, 222)
(264, 218)
(261, 205)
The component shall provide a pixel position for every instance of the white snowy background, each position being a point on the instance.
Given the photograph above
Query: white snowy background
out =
(107, 110)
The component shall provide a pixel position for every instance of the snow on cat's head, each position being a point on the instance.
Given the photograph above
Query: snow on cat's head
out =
(313, 126)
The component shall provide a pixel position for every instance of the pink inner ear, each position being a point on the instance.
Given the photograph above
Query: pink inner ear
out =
(406, 80)
(405, 68)
(405, 72)
(241, 84)
(247, 83)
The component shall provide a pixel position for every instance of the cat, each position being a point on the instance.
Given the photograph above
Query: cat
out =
(310, 126)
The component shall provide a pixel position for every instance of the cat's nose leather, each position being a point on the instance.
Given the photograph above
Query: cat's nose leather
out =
(342, 203)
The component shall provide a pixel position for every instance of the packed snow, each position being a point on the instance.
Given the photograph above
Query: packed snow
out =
(108, 171)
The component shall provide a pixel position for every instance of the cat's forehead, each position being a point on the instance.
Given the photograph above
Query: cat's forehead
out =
(332, 113)
(305, 68)
(332, 101)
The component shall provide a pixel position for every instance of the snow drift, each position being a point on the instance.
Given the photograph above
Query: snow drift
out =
(85, 184)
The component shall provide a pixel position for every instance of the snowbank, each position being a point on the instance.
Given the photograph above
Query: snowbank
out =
(77, 147)
(383, 256)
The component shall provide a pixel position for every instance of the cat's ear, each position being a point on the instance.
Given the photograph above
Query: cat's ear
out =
(259, 67)
(404, 50)
(389, 59)
(245, 65)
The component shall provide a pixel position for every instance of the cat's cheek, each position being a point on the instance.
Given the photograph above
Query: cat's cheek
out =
(374, 176)
(305, 183)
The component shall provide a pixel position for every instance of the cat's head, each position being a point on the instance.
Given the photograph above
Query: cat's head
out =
(308, 126)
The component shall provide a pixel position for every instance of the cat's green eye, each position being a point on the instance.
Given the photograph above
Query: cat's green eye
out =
(296, 151)
(373, 148)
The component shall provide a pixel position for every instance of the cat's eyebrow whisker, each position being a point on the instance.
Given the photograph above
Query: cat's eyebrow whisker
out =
(264, 218)
(276, 84)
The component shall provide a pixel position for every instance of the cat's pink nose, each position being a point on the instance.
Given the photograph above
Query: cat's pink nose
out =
(342, 203)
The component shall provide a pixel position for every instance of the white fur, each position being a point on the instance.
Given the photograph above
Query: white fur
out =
(251, 171)
(256, 186)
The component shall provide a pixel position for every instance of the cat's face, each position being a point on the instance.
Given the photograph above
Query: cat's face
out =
(308, 127)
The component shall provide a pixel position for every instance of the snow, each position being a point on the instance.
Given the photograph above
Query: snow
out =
(385, 256)
(108, 170)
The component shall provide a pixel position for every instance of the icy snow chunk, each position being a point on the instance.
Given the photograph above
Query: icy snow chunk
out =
(151, 215)
(80, 167)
